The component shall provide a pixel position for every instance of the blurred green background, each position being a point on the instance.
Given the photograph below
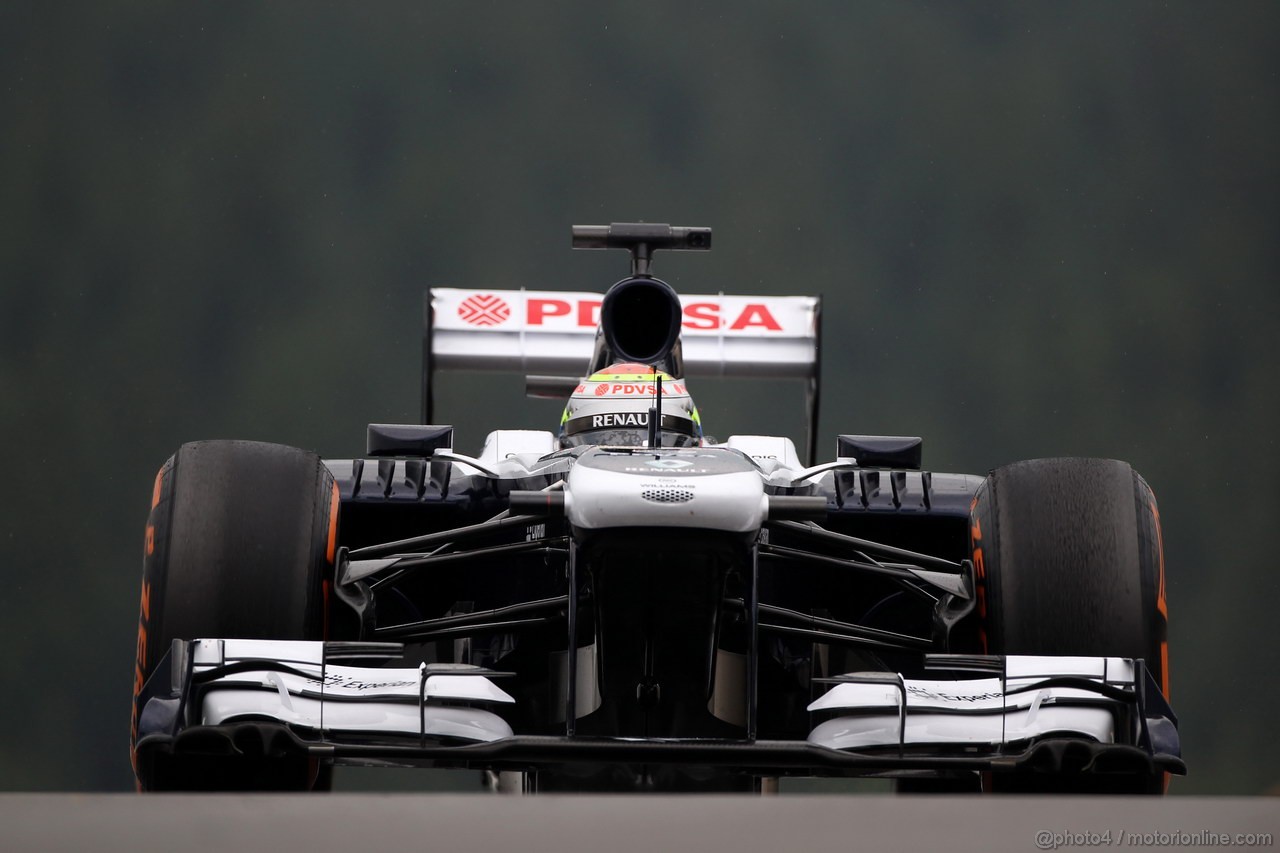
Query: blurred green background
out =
(1040, 229)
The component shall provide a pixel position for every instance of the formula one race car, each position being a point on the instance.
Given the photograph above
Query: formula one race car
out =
(628, 604)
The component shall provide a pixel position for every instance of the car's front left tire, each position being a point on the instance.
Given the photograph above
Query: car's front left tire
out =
(1069, 561)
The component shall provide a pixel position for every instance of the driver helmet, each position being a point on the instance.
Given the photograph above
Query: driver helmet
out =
(611, 408)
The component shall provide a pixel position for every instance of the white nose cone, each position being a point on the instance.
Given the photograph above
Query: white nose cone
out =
(706, 488)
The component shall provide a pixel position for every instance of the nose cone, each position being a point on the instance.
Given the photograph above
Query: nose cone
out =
(706, 488)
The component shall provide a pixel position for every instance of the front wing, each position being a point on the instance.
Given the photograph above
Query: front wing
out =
(986, 713)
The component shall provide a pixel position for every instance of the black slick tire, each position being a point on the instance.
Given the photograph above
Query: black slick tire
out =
(239, 544)
(1069, 561)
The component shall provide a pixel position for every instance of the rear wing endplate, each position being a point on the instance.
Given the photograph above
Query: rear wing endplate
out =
(538, 332)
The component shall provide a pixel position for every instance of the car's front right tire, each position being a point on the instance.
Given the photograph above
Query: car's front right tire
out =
(239, 543)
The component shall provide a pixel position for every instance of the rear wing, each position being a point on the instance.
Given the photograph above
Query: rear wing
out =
(539, 332)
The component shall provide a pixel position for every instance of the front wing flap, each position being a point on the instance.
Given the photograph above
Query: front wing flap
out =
(261, 697)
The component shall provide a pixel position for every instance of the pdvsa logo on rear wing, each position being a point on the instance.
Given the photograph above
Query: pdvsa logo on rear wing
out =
(534, 331)
(551, 311)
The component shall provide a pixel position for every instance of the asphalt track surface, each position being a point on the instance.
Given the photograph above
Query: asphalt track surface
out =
(371, 823)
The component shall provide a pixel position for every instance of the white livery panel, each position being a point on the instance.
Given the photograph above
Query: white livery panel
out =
(705, 488)
(329, 697)
(542, 331)
(1021, 706)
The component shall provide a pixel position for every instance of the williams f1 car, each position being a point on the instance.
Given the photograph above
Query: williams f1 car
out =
(625, 603)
